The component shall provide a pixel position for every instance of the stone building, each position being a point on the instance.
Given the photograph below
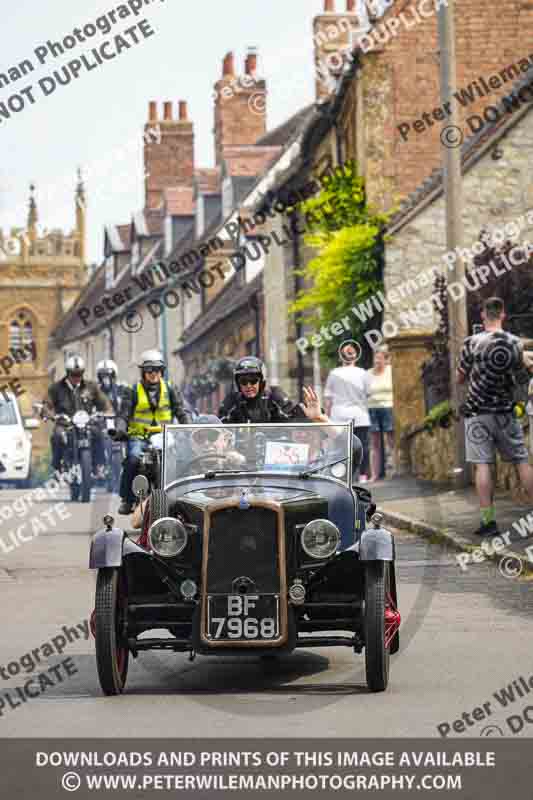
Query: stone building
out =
(41, 275)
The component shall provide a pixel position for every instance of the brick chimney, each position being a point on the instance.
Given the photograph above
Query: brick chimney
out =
(333, 39)
(240, 105)
(168, 152)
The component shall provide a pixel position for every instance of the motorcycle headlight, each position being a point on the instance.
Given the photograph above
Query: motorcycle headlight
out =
(338, 470)
(168, 537)
(320, 538)
(80, 419)
(156, 440)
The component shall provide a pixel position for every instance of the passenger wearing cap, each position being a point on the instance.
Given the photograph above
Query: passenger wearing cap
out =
(209, 446)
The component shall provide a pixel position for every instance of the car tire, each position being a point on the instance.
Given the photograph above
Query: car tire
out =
(377, 656)
(86, 467)
(112, 656)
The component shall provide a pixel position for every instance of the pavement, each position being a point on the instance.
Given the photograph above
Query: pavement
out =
(451, 516)
(464, 636)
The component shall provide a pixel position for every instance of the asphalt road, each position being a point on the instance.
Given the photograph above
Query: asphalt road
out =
(464, 636)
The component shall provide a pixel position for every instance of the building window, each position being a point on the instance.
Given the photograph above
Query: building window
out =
(20, 331)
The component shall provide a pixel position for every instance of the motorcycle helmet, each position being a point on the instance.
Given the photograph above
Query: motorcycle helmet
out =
(152, 359)
(250, 366)
(106, 372)
(75, 365)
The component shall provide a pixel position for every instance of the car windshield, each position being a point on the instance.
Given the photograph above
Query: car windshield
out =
(7, 413)
(291, 449)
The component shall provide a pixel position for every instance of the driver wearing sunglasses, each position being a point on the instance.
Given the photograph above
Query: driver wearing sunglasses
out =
(253, 402)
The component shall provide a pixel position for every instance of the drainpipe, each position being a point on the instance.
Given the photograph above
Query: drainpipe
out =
(257, 324)
(296, 254)
(164, 339)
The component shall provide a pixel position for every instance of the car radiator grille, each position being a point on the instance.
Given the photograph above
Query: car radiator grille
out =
(243, 543)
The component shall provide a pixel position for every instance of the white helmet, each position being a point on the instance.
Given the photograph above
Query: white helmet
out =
(75, 364)
(107, 367)
(151, 358)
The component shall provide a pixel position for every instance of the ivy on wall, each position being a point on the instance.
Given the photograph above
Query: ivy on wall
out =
(345, 233)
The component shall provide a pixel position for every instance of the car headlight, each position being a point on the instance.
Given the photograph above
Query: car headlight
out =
(168, 537)
(80, 419)
(320, 538)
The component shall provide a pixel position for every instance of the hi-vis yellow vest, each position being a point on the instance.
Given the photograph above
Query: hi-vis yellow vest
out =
(144, 417)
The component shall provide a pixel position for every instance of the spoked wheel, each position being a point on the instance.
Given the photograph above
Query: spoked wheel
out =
(378, 620)
(112, 654)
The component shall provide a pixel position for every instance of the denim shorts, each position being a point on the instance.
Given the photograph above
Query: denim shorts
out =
(381, 420)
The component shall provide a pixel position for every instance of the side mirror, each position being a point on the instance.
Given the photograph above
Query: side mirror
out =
(140, 486)
(31, 424)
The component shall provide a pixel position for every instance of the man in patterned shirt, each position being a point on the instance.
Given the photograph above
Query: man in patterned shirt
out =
(490, 361)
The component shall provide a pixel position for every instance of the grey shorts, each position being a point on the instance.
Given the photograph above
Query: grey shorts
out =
(486, 433)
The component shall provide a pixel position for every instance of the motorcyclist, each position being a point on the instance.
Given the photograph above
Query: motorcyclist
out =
(107, 377)
(253, 402)
(151, 402)
(71, 394)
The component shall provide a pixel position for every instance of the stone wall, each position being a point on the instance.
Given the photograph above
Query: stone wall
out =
(495, 192)
(431, 457)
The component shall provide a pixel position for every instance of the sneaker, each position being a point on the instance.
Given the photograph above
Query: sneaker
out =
(490, 529)
(125, 508)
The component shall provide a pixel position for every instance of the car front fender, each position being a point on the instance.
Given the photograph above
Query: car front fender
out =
(108, 548)
(377, 544)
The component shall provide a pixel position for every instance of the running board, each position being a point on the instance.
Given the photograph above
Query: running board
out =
(330, 641)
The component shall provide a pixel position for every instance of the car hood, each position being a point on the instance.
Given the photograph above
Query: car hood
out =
(279, 494)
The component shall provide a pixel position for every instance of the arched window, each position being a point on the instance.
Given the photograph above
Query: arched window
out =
(20, 331)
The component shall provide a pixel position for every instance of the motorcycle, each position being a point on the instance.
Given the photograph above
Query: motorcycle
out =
(151, 458)
(77, 458)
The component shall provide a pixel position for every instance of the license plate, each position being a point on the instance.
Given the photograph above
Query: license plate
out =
(244, 617)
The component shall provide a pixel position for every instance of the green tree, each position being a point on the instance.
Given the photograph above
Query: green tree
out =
(345, 233)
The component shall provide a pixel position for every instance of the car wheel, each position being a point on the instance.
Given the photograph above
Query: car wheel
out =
(112, 654)
(377, 653)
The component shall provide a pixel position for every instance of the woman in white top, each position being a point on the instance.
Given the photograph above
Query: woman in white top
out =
(380, 401)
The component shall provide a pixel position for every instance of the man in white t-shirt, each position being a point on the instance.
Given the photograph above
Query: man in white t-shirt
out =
(346, 398)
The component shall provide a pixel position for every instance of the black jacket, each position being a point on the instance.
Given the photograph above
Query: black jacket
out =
(129, 401)
(271, 406)
(88, 396)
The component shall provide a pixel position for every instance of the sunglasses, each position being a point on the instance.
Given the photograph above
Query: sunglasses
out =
(248, 381)
(206, 437)
(153, 371)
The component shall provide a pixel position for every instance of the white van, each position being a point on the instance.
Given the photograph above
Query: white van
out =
(15, 442)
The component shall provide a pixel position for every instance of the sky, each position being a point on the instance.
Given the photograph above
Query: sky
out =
(96, 122)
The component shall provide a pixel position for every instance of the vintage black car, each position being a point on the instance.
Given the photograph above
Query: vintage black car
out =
(254, 545)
